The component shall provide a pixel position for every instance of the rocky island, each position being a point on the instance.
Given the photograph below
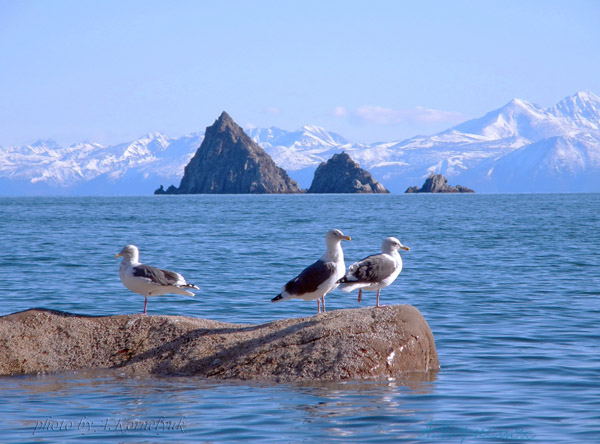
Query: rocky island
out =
(229, 162)
(365, 343)
(437, 183)
(341, 174)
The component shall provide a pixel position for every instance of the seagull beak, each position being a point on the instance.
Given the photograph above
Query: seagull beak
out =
(118, 255)
(404, 247)
(347, 238)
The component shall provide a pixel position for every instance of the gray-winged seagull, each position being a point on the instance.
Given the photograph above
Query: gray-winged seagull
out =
(375, 272)
(147, 280)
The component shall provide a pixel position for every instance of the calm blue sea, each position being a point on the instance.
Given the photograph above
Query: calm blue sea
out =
(510, 286)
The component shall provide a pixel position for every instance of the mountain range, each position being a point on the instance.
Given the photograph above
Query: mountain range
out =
(519, 147)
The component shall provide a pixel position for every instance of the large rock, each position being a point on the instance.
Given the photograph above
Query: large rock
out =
(341, 174)
(367, 343)
(437, 183)
(229, 162)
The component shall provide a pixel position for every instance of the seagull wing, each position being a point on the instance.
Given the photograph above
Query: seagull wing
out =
(158, 276)
(371, 269)
(310, 278)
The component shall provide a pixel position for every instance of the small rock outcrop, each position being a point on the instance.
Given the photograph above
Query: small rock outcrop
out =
(341, 174)
(161, 190)
(437, 183)
(229, 162)
(366, 343)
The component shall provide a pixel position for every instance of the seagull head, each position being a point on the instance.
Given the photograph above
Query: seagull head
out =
(392, 244)
(334, 236)
(129, 252)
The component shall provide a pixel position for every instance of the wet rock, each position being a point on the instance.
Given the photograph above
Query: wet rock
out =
(367, 343)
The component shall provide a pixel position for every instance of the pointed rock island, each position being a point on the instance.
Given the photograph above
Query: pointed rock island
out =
(229, 162)
(341, 174)
(365, 343)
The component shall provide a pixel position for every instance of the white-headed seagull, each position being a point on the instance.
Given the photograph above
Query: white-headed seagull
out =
(147, 280)
(375, 272)
(318, 279)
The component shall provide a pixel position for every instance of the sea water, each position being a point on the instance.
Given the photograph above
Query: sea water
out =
(509, 284)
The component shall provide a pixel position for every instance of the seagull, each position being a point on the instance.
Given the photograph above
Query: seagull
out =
(147, 280)
(375, 272)
(318, 279)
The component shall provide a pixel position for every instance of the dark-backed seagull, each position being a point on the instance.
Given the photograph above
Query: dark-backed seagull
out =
(318, 279)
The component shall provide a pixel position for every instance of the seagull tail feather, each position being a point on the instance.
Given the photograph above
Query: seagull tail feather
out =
(347, 287)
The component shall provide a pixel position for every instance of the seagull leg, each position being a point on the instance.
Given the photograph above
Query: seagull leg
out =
(359, 294)
(145, 304)
(318, 305)
(323, 298)
(377, 305)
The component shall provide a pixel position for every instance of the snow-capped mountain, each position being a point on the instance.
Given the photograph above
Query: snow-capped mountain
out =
(518, 147)
(479, 153)
(582, 108)
(552, 150)
(309, 136)
(90, 168)
(517, 118)
(558, 164)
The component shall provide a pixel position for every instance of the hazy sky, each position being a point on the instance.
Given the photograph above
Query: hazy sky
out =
(111, 71)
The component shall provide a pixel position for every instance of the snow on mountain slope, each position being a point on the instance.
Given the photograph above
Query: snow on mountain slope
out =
(300, 152)
(466, 152)
(266, 136)
(307, 136)
(47, 168)
(517, 118)
(556, 164)
(583, 109)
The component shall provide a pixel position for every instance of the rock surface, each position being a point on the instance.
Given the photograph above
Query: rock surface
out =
(341, 174)
(366, 343)
(437, 183)
(229, 162)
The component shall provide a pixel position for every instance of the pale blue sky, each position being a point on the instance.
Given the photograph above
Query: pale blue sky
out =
(110, 71)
